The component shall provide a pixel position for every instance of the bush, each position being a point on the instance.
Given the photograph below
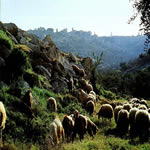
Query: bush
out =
(5, 40)
(16, 64)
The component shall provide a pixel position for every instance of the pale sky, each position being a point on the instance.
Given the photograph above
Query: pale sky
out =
(100, 16)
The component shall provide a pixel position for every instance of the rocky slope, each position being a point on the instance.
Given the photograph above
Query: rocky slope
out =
(45, 58)
(118, 48)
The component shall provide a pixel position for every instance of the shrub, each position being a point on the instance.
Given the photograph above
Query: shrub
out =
(16, 64)
(5, 40)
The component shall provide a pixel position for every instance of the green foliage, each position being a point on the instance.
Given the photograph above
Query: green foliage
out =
(27, 129)
(42, 95)
(16, 64)
(5, 40)
(35, 79)
(142, 9)
(68, 103)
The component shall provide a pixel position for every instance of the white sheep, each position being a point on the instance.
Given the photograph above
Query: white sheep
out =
(90, 106)
(142, 121)
(3, 117)
(60, 129)
(78, 71)
(123, 121)
(91, 97)
(127, 106)
(83, 96)
(134, 100)
(56, 131)
(106, 111)
(68, 124)
(91, 127)
(142, 106)
(93, 93)
(116, 110)
(144, 102)
(51, 104)
(132, 114)
(53, 133)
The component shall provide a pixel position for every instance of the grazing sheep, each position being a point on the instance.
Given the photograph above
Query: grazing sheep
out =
(90, 106)
(142, 120)
(51, 104)
(108, 102)
(28, 98)
(3, 115)
(136, 105)
(89, 87)
(116, 111)
(142, 106)
(92, 98)
(134, 100)
(132, 113)
(80, 126)
(106, 111)
(144, 102)
(127, 106)
(91, 127)
(68, 124)
(82, 82)
(123, 121)
(93, 93)
(2, 120)
(60, 129)
(83, 96)
(85, 85)
(53, 133)
(78, 71)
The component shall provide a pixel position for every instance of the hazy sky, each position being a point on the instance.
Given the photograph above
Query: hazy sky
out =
(99, 16)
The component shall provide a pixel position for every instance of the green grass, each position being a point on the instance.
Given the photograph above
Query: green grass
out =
(5, 40)
(31, 134)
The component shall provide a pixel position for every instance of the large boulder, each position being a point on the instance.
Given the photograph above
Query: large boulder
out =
(2, 27)
(59, 85)
(43, 71)
(88, 65)
(12, 28)
(48, 42)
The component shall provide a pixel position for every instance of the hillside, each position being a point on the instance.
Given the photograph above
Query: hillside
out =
(118, 48)
(33, 70)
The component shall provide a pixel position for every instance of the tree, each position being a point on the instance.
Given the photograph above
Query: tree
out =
(98, 61)
(142, 9)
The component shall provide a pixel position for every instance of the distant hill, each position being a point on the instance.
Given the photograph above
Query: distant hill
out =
(116, 49)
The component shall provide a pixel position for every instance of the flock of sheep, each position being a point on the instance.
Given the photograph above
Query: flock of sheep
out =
(71, 125)
(132, 116)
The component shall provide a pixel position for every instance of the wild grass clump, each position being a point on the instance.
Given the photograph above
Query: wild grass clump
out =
(68, 103)
(5, 40)
(23, 47)
(41, 95)
(35, 79)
